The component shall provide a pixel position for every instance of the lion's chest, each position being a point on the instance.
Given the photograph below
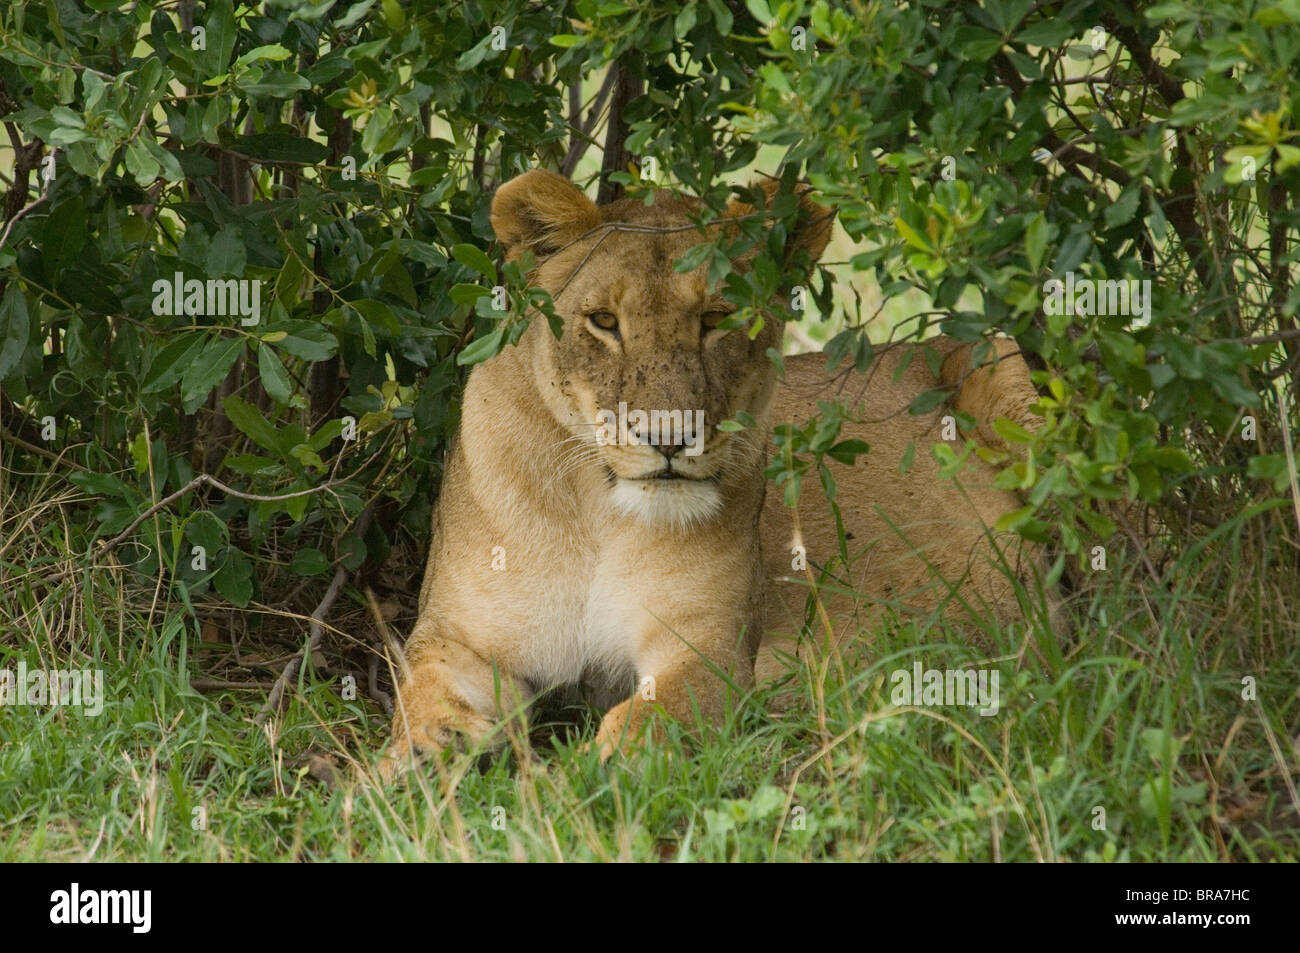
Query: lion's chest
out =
(581, 624)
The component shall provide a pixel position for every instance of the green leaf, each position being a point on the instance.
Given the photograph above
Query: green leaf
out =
(102, 484)
(1073, 249)
(975, 43)
(327, 431)
(250, 421)
(909, 457)
(1158, 741)
(685, 21)
(62, 136)
(760, 11)
(170, 363)
(1049, 32)
(1012, 432)
(309, 562)
(695, 256)
(765, 802)
(912, 236)
(206, 530)
(210, 369)
(394, 15)
(275, 84)
(1271, 467)
(775, 78)
(171, 166)
(304, 339)
(273, 376)
(467, 294)
(847, 451)
(281, 147)
(377, 315)
(1036, 241)
(250, 464)
(274, 52)
(355, 14)
(352, 552)
(472, 256)
(296, 507)
(234, 580)
(926, 402)
(480, 349)
(1288, 156)
(721, 16)
(140, 164)
(308, 457)
(397, 281)
(226, 254)
(1123, 209)
(1229, 386)
(1161, 375)
(139, 453)
(15, 329)
(63, 236)
(1008, 522)
(475, 54)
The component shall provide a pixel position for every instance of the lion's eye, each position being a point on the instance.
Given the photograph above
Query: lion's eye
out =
(711, 319)
(604, 320)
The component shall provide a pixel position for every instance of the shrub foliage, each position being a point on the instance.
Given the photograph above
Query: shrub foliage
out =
(339, 158)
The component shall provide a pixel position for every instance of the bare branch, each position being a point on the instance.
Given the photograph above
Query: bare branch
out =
(581, 139)
(626, 88)
(315, 632)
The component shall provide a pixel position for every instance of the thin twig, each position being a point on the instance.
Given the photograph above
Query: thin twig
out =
(1293, 479)
(198, 481)
(384, 699)
(1285, 335)
(1281, 760)
(390, 650)
(317, 630)
(582, 131)
(315, 633)
(1142, 551)
(17, 215)
(220, 685)
(17, 441)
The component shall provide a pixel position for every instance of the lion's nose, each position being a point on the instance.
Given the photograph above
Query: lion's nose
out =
(669, 450)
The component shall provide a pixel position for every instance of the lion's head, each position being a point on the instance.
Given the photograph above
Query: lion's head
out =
(642, 374)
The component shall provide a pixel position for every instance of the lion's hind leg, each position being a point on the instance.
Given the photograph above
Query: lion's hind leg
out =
(997, 388)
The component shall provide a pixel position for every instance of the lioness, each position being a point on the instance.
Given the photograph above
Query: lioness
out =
(645, 570)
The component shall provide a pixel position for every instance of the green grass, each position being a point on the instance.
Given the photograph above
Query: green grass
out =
(1139, 712)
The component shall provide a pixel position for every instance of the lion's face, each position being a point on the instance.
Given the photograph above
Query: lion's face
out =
(642, 375)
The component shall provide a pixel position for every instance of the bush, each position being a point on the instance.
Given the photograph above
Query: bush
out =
(339, 160)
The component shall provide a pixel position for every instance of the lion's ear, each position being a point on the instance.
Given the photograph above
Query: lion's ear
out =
(812, 228)
(542, 211)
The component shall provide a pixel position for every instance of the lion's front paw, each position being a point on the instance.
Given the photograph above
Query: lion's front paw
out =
(405, 750)
(432, 717)
(625, 727)
(429, 739)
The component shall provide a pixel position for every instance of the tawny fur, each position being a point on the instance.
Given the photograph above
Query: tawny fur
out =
(553, 563)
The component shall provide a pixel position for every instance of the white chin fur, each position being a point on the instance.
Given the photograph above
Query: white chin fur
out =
(678, 503)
